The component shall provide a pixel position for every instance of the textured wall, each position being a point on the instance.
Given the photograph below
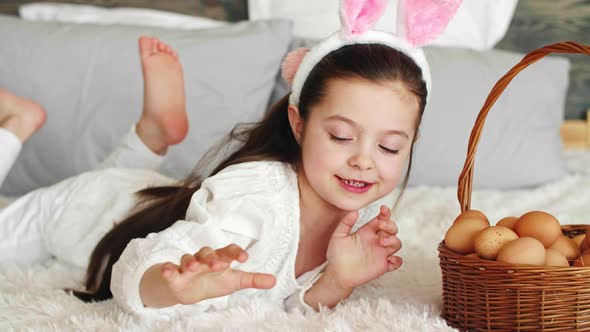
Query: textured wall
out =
(538, 23)
(229, 10)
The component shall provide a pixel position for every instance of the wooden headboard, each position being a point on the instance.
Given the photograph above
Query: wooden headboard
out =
(576, 133)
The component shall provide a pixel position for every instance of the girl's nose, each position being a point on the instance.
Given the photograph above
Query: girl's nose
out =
(362, 160)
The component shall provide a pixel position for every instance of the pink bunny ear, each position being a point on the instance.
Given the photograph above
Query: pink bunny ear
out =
(291, 63)
(426, 19)
(358, 16)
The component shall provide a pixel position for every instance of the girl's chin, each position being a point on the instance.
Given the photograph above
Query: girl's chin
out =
(348, 204)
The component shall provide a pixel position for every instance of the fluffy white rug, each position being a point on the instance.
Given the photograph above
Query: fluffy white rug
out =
(405, 300)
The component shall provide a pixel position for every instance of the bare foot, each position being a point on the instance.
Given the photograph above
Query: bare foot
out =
(163, 121)
(20, 116)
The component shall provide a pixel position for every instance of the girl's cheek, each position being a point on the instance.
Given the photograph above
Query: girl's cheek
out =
(391, 172)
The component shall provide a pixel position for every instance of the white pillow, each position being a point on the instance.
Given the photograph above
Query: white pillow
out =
(88, 79)
(74, 13)
(478, 24)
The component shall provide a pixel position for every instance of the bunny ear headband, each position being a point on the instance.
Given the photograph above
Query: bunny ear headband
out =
(419, 22)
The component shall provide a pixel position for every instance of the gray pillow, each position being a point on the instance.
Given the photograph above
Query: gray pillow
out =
(88, 78)
(520, 145)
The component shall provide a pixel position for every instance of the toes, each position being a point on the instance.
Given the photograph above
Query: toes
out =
(161, 47)
(155, 43)
(165, 48)
(145, 46)
(151, 45)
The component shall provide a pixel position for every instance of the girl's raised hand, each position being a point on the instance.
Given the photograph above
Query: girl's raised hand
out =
(357, 258)
(206, 275)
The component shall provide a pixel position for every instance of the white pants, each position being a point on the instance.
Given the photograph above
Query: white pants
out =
(22, 222)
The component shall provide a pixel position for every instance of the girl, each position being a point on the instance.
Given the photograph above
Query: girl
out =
(291, 216)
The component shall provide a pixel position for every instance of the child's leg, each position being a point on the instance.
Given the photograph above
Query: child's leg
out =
(11, 147)
(163, 121)
(19, 119)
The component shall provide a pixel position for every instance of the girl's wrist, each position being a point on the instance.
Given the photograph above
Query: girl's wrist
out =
(326, 291)
(334, 283)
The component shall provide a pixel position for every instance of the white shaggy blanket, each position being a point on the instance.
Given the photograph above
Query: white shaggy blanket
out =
(405, 300)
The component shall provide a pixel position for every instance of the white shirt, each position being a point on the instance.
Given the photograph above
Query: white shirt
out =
(254, 205)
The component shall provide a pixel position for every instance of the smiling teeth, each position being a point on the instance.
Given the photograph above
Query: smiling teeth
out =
(355, 183)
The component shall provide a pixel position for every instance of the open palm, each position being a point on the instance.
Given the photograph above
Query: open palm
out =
(357, 258)
(207, 275)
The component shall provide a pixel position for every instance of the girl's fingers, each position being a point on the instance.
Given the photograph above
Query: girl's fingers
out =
(188, 263)
(203, 252)
(384, 212)
(209, 257)
(393, 263)
(391, 242)
(233, 252)
(169, 271)
(256, 280)
(388, 226)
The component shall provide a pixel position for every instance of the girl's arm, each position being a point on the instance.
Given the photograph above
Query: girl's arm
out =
(327, 292)
(141, 285)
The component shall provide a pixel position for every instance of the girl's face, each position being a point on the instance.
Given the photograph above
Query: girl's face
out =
(355, 143)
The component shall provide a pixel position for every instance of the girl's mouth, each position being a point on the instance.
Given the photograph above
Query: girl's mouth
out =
(355, 186)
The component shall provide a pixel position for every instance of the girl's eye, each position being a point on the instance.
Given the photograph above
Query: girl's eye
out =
(339, 139)
(388, 150)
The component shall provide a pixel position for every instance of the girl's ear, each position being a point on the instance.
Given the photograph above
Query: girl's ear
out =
(296, 122)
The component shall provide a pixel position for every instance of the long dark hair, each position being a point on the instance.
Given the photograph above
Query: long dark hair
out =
(270, 139)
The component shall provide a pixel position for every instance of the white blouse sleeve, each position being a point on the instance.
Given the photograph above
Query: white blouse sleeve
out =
(296, 301)
(230, 207)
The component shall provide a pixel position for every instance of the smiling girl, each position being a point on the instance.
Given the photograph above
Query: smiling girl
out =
(292, 216)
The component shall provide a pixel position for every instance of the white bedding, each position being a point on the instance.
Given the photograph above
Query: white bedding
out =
(406, 300)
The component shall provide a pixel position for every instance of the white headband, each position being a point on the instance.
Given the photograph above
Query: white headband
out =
(419, 20)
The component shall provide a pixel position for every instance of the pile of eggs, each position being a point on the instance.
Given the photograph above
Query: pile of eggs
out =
(534, 239)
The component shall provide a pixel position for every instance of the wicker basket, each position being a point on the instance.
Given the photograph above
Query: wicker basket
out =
(480, 295)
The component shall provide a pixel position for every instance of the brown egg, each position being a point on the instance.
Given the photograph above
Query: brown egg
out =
(583, 247)
(524, 250)
(471, 214)
(489, 241)
(579, 238)
(460, 237)
(566, 247)
(555, 258)
(587, 238)
(539, 225)
(582, 261)
(472, 255)
(507, 222)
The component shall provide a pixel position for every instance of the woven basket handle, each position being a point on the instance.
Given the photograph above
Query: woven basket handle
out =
(466, 177)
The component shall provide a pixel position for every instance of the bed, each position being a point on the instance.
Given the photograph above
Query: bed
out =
(31, 299)
(406, 300)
